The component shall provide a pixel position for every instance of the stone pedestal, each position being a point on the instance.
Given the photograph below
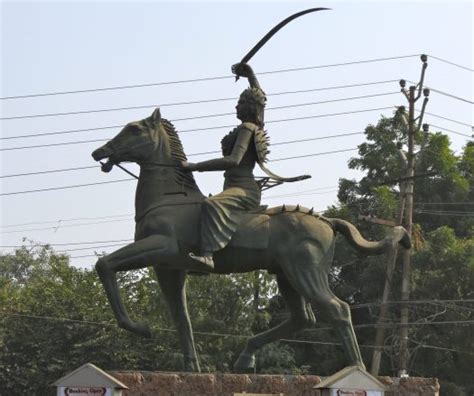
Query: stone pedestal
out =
(141, 383)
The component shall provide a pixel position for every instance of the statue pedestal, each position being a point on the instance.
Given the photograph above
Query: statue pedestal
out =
(144, 383)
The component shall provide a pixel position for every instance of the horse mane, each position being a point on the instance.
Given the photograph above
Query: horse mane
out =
(176, 147)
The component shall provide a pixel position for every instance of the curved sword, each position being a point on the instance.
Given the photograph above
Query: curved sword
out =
(250, 54)
(272, 32)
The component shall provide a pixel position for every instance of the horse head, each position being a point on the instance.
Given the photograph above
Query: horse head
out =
(136, 142)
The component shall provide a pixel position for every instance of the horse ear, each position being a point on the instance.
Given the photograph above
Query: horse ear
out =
(156, 116)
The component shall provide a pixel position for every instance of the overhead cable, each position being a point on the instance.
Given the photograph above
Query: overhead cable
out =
(196, 117)
(452, 63)
(104, 140)
(181, 131)
(203, 79)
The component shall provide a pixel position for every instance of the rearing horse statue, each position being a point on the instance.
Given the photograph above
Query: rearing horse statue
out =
(291, 242)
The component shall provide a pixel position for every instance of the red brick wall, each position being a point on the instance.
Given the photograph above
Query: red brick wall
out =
(186, 384)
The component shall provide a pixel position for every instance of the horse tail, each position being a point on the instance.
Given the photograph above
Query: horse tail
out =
(397, 235)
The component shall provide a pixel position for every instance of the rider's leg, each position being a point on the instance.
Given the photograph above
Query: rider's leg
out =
(206, 259)
(220, 217)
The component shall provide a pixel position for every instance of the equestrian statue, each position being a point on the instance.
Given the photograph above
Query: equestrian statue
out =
(179, 231)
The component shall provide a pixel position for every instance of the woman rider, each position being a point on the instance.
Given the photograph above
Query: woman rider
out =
(222, 213)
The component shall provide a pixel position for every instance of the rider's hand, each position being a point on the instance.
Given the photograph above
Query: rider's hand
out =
(242, 70)
(189, 166)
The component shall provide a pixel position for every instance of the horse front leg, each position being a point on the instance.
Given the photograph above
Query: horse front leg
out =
(173, 285)
(137, 255)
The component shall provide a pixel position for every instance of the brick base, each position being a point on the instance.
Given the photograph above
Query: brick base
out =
(142, 383)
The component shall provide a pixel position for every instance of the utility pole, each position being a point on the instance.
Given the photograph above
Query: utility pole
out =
(383, 315)
(414, 124)
(406, 211)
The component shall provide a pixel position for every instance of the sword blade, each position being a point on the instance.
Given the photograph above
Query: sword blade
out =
(272, 32)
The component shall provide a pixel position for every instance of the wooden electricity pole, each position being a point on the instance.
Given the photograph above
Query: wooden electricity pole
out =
(414, 124)
(406, 211)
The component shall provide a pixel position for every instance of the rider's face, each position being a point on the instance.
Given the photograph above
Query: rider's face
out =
(244, 110)
(239, 108)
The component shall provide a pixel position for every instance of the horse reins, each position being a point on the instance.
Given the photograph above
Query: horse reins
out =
(105, 165)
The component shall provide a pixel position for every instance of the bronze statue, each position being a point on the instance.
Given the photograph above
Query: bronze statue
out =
(290, 241)
(222, 213)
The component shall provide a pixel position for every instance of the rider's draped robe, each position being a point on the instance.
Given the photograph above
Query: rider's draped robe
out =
(222, 213)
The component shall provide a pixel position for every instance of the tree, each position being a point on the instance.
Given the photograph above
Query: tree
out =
(443, 220)
(55, 317)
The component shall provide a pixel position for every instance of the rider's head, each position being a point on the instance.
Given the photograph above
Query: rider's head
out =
(251, 105)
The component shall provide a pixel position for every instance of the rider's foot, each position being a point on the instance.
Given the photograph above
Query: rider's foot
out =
(205, 259)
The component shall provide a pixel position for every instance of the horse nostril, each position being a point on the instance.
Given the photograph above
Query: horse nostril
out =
(100, 153)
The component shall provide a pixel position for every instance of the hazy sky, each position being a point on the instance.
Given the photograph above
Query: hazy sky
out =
(52, 47)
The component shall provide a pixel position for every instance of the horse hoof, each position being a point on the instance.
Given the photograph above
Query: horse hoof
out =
(192, 366)
(245, 363)
(141, 328)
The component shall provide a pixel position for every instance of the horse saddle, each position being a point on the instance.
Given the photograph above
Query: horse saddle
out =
(253, 232)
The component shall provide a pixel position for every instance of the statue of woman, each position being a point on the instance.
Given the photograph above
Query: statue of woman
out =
(222, 213)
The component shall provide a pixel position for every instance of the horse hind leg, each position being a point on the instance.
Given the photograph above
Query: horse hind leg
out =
(307, 271)
(301, 316)
(173, 285)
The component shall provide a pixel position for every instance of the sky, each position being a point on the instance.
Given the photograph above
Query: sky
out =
(54, 47)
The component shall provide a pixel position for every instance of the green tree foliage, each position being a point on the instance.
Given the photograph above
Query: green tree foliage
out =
(55, 317)
(442, 260)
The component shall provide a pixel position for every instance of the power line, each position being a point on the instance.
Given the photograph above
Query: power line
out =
(62, 132)
(198, 117)
(450, 130)
(445, 93)
(449, 119)
(188, 130)
(452, 96)
(122, 180)
(304, 192)
(202, 101)
(193, 102)
(53, 144)
(432, 210)
(51, 171)
(326, 115)
(452, 63)
(444, 203)
(66, 226)
(313, 155)
(272, 94)
(89, 248)
(465, 214)
(189, 155)
(65, 187)
(226, 335)
(183, 131)
(203, 78)
(67, 243)
(61, 221)
(358, 62)
(399, 302)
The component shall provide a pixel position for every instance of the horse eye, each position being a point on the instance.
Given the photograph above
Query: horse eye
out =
(135, 131)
